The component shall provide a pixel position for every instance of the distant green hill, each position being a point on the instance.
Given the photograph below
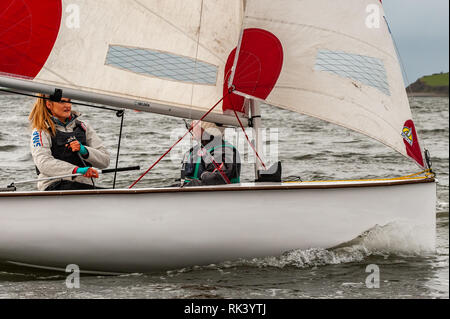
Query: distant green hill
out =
(431, 85)
(436, 80)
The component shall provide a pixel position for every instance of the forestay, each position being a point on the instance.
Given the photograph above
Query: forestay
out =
(339, 65)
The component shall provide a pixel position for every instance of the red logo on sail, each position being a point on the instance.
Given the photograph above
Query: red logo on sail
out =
(28, 31)
(411, 142)
(257, 70)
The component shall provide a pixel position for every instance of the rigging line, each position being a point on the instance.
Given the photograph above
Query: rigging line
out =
(120, 114)
(47, 98)
(196, 58)
(236, 59)
(245, 133)
(399, 55)
(408, 88)
(138, 2)
(238, 47)
(248, 140)
(180, 139)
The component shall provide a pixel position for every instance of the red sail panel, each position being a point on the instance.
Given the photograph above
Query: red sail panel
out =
(258, 68)
(412, 142)
(28, 31)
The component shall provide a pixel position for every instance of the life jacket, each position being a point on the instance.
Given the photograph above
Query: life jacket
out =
(195, 165)
(63, 153)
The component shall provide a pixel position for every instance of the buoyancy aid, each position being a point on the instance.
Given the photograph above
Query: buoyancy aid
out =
(61, 139)
(194, 165)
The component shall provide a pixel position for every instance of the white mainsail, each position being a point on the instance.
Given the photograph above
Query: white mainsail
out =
(339, 65)
(169, 52)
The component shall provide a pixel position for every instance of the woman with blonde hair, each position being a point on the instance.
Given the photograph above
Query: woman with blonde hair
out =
(61, 144)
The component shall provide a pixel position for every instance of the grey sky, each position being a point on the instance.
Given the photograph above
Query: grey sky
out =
(421, 30)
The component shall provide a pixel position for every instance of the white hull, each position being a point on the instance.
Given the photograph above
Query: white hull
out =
(151, 229)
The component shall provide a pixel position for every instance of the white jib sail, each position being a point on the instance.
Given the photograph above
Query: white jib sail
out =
(340, 64)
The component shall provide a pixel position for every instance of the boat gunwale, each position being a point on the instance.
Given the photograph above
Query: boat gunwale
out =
(228, 188)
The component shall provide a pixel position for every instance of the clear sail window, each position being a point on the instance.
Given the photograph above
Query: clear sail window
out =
(364, 69)
(161, 65)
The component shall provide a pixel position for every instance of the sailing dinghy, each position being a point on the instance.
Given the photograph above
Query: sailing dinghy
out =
(187, 59)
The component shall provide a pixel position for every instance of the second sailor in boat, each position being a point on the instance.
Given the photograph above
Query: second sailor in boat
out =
(61, 145)
(213, 161)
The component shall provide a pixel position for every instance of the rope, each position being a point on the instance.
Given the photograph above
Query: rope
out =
(120, 114)
(180, 139)
(248, 140)
(243, 130)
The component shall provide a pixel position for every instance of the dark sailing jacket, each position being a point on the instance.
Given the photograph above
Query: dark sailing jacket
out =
(61, 139)
(198, 165)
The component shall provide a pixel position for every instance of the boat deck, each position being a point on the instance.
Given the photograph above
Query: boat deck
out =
(237, 187)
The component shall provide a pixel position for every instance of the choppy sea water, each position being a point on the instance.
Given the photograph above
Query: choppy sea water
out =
(309, 148)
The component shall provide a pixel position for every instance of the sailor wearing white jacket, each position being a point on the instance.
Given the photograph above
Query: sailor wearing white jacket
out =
(61, 144)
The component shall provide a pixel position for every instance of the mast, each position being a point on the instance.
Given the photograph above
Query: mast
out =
(139, 105)
(255, 110)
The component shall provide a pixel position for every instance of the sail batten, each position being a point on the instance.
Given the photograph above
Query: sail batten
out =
(192, 38)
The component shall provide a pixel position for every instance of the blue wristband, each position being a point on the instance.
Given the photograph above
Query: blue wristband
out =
(83, 149)
(82, 170)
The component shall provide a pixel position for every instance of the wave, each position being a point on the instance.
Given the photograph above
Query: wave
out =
(309, 156)
(14, 273)
(379, 241)
(391, 240)
(433, 131)
(6, 148)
